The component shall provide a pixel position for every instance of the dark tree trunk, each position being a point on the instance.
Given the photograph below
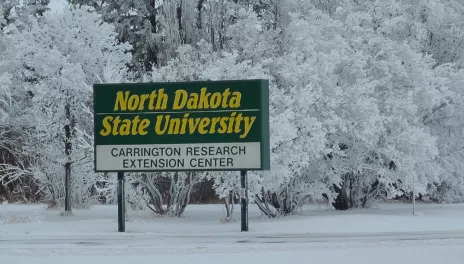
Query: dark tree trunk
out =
(200, 12)
(5, 193)
(229, 204)
(152, 52)
(67, 166)
(182, 34)
(341, 202)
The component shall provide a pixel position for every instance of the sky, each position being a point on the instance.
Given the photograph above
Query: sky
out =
(57, 5)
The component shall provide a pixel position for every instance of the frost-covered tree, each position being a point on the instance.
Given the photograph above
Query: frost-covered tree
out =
(157, 28)
(152, 27)
(433, 28)
(359, 99)
(400, 87)
(227, 187)
(202, 62)
(16, 181)
(14, 10)
(365, 96)
(137, 23)
(7, 12)
(55, 60)
(446, 124)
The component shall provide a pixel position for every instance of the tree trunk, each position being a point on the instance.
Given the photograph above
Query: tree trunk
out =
(200, 12)
(276, 15)
(67, 166)
(341, 202)
(229, 204)
(182, 34)
(5, 193)
(152, 53)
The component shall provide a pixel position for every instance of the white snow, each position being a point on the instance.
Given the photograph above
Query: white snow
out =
(365, 254)
(205, 219)
(386, 234)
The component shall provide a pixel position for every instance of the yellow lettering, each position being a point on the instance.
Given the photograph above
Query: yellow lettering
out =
(174, 126)
(203, 123)
(235, 100)
(215, 100)
(143, 97)
(180, 99)
(151, 104)
(116, 122)
(214, 122)
(192, 102)
(248, 124)
(124, 129)
(162, 102)
(106, 124)
(226, 96)
(133, 102)
(121, 101)
(204, 99)
(238, 120)
(135, 123)
(231, 123)
(193, 124)
(184, 123)
(223, 128)
(143, 126)
(159, 120)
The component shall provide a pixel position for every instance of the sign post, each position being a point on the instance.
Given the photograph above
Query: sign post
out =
(244, 200)
(121, 203)
(182, 126)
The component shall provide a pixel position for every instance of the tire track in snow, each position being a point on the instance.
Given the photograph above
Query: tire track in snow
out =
(163, 239)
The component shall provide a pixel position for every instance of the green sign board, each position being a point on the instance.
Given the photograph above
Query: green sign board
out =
(214, 125)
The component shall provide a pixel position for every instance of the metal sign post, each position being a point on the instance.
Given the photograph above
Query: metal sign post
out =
(121, 203)
(244, 200)
(414, 194)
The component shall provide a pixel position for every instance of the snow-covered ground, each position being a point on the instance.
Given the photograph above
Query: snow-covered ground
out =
(386, 234)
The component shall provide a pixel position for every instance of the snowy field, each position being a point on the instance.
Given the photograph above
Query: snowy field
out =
(385, 234)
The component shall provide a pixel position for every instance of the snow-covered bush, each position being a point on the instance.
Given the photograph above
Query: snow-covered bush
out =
(165, 193)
